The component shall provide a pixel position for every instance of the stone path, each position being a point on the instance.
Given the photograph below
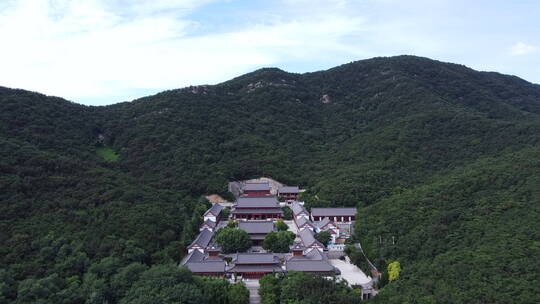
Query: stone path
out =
(253, 287)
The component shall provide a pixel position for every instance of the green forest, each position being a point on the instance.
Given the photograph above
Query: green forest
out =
(443, 163)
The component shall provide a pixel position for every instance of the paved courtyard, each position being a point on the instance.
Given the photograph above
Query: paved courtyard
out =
(351, 272)
(292, 225)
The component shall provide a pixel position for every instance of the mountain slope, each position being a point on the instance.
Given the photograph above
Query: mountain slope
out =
(394, 136)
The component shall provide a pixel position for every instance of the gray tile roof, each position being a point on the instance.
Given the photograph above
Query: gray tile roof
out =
(313, 261)
(308, 238)
(210, 223)
(289, 189)
(207, 266)
(258, 210)
(257, 202)
(304, 221)
(322, 223)
(309, 265)
(296, 246)
(214, 210)
(256, 268)
(256, 187)
(193, 257)
(203, 239)
(252, 227)
(256, 258)
(333, 211)
(297, 209)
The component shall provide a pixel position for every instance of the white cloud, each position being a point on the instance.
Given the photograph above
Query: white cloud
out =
(521, 48)
(85, 49)
(113, 50)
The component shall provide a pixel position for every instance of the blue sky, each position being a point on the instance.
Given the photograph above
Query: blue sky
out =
(104, 51)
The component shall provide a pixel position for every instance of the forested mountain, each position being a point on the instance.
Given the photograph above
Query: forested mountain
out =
(441, 160)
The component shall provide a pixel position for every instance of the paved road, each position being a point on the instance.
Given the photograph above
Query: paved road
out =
(253, 287)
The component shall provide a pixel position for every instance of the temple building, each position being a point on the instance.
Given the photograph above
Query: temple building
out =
(314, 261)
(257, 208)
(308, 240)
(257, 230)
(209, 225)
(210, 264)
(299, 211)
(214, 213)
(338, 215)
(256, 189)
(327, 225)
(201, 241)
(289, 193)
(254, 265)
(305, 223)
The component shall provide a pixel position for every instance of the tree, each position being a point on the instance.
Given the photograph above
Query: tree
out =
(7, 286)
(278, 241)
(269, 289)
(394, 269)
(217, 289)
(301, 287)
(122, 281)
(287, 213)
(225, 213)
(233, 240)
(232, 224)
(165, 284)
(324, 237)
(238, 294)
(281, 226)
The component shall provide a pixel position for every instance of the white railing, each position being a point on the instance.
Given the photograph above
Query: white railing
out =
(336, 247)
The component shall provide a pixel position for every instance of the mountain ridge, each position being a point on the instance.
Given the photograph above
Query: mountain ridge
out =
(391, 132)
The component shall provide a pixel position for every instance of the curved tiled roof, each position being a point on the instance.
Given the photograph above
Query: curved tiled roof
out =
(256, 226)
(256, 187)
(214, 210)
(297, 209)
(308, 239)
(257, 202)
(203, 239)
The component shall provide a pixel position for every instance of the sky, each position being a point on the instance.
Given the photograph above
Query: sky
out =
(99, 52)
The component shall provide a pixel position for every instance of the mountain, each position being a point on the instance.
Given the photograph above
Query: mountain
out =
(441, 160)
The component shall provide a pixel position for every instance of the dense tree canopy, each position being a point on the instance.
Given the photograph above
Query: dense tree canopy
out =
(304, 288)
(324, 237)
(441, 160)
(278, 241)
(233, 240)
